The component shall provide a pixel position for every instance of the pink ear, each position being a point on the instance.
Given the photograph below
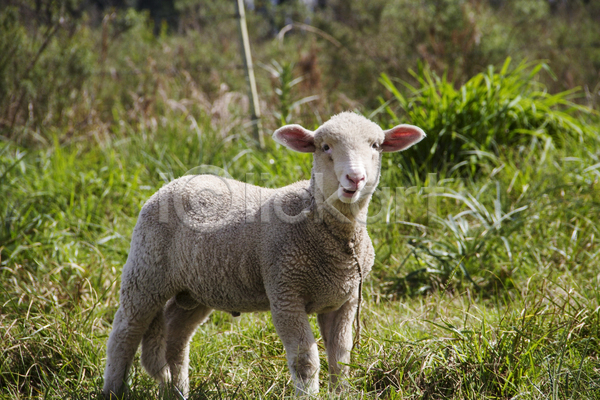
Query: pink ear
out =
(296, 138)
(401, 137)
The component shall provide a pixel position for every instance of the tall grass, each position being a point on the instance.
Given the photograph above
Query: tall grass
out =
(495, 296)
(283, 75)
(492, 111)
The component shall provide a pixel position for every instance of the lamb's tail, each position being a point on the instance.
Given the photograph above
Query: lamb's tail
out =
(154, 347)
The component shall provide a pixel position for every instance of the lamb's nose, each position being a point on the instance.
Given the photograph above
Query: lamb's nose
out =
(356, 179)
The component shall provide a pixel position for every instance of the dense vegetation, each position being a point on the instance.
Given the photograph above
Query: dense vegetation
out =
(486, 282)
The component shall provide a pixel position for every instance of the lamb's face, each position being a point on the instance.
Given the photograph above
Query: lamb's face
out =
(347, 153)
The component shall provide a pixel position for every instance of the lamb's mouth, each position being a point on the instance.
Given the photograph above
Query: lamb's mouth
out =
(348, 193)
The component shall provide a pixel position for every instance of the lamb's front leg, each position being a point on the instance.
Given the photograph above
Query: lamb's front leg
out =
(336, 329)
(301, 349)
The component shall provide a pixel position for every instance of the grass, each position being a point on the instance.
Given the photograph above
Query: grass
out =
(496, 296)
(491, 111)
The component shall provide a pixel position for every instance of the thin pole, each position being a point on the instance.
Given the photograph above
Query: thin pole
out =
(247, 56)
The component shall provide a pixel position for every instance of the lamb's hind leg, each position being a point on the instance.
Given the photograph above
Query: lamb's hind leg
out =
(154, 348)
(128, 328)
(181, 325)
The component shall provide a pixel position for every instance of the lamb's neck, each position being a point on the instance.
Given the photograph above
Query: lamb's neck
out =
(345, 231)
(343, 220)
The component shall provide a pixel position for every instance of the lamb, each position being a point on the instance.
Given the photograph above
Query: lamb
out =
(204, 243)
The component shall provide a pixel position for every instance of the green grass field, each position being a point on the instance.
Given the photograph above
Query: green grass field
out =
(490, 291)
(486, 283)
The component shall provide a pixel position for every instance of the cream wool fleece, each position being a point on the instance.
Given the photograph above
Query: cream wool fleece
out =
(205, 242)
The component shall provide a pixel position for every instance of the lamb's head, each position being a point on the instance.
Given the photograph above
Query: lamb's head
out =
(347, 152)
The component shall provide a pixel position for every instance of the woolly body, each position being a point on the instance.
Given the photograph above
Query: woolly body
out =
(234, 253)
(205, 242)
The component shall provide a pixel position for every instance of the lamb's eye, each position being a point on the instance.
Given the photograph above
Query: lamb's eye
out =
(326, 148)
(375, 146)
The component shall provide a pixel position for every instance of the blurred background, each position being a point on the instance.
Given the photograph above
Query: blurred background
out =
(87, 65)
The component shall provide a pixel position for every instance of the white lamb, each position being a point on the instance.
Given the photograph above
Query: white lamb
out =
(204, 242)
